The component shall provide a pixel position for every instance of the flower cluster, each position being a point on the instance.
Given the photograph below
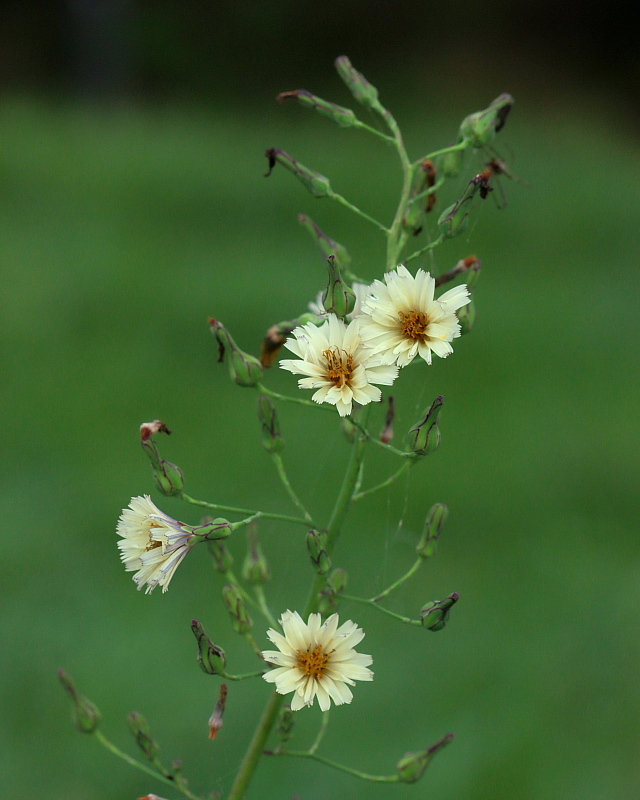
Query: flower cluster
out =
(316, 660)
(393, 322)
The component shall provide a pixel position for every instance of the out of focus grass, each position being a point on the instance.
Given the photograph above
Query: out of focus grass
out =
(122, 232)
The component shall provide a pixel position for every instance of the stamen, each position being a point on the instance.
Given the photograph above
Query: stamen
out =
(152, 545)
(338, 372)
(313, 662)
(413, 325)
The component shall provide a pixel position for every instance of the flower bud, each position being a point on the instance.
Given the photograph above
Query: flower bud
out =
(217, 718)
(220, 552)
(244, 369)
(313, 181)
(455, 218)
(142, 734)
(287, 721)
(212, 659)
(336, 583)
(255, 569)
(84, 713)
(168, 477)
(272, 440)
(433, 525)
(451, 162)
(218, 528)
(435, 614)
(424, 437)
(237, 609)
(357, 84)
(338, 298)
(316, 543)
(480, 128)
(412, 765)
(328, 247)
(344, 117)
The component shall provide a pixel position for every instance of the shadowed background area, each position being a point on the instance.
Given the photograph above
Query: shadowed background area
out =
(134, 208)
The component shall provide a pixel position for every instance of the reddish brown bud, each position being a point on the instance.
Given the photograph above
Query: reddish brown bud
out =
(147, 429)
(217, 718)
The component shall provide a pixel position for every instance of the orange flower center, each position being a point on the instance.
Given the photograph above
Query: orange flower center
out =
(339, 369)
(413, 325)
(313, 662)
(153, 543)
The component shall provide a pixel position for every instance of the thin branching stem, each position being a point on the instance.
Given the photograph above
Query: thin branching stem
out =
(282, 474)
(416, 566)
(321, 732)
(391, 479)
(363, 601)
(363, 775)
(235, 510)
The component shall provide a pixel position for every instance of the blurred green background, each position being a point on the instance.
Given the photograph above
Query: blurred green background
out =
(134, 207)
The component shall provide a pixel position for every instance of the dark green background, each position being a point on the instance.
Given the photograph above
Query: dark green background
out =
(130, 218)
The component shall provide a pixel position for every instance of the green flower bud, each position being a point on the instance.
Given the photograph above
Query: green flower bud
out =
(339, 297)
(272, 440)
(142, 734)
(218, 528)
(451, 162)
(316, 543)
(412, 765)
(212, 659)
(344, 117)
(455, 218)
(336, 583)
(168, 477)
(424, 437)
(480, 128)
(328, 247)
(433, 525)
(84, 713)
(244, 369)
(237, 609)
(218, 549)
(255, 569)
(357, 84)
(286, 723)
(435, 614)
(313, 181)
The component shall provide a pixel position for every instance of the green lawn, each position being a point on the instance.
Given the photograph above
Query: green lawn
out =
(122, 232)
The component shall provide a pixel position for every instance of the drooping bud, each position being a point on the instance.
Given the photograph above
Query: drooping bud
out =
(244, 369)
(338, 298)
(84, 713)
(315, 183)
(286, 723)
(435, 615)
(424, 437)
(255, 569)
(212, 659)
(469, 266)
(344, 117)
(433, 525)
(272, 440)
(386, 434)
(218, 549)
(140, 731)
(168, 477)
(480, 128)
(216, 720)
(316, 544)
(328, 247)
(237, 609)
(412, 765)
(218, 528)
(358, 85)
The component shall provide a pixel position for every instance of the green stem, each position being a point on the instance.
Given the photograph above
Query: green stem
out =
(407, 465)
(344, 202)
(256, 747)
(363, 126)
(242, 677)
(234, 510)
(277, 460)
(452, 148)
(399, 582)
(143, 767)
(321, 732)
(262, 605)
(422, 250)
(364, 602)
(297, 400)
(322, 760)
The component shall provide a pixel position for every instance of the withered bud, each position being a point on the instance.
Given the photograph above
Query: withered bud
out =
(470, 264)
(217, 718)
(147, 429)
(429, 168)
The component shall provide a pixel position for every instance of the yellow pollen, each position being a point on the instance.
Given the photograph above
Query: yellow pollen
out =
(413, 325)
(152, 545)
(313, 662)
(339, 370)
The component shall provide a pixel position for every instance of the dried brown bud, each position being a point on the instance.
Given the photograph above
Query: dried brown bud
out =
(147, 429)
(217, 718)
